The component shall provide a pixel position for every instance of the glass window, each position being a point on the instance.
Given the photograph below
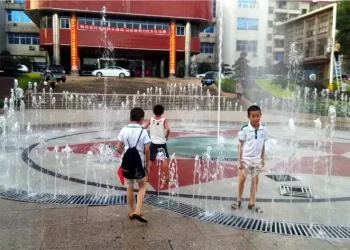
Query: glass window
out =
(207, 48)
(121, 25)
(128, 25)
(247, 24)
(270, 10)
(64, 23)
(247, 4)
(269, 49)
(247, 46)
(23, 38)
(180, 30)
(17, 16)
(89, 21)
(18, 1)
(270, 24)
(209, 30)
(269, 37)
(136, 25)
(97, 22)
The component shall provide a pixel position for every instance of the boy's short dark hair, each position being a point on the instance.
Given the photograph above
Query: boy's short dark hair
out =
(158, 110)
(136, 114)
(253, 108)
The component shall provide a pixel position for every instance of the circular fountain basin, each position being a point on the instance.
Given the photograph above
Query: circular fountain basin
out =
(226, 148)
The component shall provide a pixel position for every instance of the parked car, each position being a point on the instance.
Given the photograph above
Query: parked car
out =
(209, 78)
(57, 71)
(87, 70)
(23, 68)
(112, 71)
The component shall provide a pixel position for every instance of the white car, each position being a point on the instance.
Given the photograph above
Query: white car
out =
(111, 71)
(23, 68)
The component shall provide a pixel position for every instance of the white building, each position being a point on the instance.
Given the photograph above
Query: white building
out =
(245, 29)
(19, 35)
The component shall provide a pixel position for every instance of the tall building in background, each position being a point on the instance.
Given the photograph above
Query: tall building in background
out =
(22, 35)
(245, 29)
(280, 12)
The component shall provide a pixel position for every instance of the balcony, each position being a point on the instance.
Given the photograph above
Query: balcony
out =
(14, 6)
(278, 37)
(283, 11)
(205, 58)
(21, 28)
(207, 37)
(278, 49)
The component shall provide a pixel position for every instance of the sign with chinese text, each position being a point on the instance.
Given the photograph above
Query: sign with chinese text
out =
(172, 49)
(125, 30)
(74, 43)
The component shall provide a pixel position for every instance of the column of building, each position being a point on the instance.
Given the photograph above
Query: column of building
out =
(56, 39)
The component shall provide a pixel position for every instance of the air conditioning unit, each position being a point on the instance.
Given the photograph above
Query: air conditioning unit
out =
(8, 1)
(208, 35)
(31, 48)
(42, 48)
(209, 57)
(15, 24)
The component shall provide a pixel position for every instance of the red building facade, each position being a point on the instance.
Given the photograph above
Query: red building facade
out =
(137, 33)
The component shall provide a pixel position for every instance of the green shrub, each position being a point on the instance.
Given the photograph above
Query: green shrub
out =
(227, 85)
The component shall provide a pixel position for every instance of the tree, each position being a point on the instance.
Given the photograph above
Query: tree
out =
(343, 27)
(27, 61)
(225, 69)
(241, 66)
(205, 67)
(5, 53)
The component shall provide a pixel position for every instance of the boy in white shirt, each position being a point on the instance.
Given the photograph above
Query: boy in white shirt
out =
(251, 156)
(131, 137)
(159, 133)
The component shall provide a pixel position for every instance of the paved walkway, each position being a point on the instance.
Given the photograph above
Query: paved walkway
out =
(30, 226)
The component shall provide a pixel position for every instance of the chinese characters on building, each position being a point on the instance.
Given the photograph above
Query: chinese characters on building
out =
(172, 56)
(127, 30)
(74, 43)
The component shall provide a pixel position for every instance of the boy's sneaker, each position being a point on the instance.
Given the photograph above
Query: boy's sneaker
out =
(255, 208)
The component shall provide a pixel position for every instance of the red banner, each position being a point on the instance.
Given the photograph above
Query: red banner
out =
(74, 43)
(124, 30)
(172, 49)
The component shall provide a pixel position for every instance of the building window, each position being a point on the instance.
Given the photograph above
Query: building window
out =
(269, 37)
(207, 48)
(214, 8)
(247, 4)
(46, 22)
(247, 24)
(209, 30)
(269, 49)
(270, 24)
(18, 1)
(17, 16)
(23, 38)
(279, 56)
(270, 10)
(64, 23)
(180, 30)
(247, 46)
(303, 11)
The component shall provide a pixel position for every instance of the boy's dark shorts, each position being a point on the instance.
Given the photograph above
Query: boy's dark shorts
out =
(154, 149)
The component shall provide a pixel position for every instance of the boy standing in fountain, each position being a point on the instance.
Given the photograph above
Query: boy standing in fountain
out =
(251, 156)
(159, 133)
(133, 143)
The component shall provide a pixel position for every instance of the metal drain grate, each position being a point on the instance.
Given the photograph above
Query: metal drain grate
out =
(297, 191)
(13, 194)
(281, 177)
(261, 225)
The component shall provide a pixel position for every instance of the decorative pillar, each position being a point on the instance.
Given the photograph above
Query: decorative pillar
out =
(162, 62)
(74, 45)
(172, 50)
(143, 68)
(56, 39)
(187, 49)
